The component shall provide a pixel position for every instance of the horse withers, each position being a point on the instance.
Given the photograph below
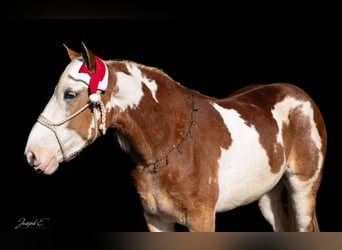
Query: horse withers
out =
(195, 155)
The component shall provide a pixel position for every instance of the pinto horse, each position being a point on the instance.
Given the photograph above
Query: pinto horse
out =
(195, 155)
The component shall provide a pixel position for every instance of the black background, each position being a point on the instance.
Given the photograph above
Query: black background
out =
(213, 49)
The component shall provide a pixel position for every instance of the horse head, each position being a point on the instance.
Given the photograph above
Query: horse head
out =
(74, 116)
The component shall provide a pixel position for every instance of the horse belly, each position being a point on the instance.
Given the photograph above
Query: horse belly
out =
(244, 178)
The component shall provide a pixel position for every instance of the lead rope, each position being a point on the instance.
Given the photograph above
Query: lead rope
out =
(53, 125)
(102, 126)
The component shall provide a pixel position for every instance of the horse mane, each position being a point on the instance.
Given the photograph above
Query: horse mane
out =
(151, 72)
(151, 69)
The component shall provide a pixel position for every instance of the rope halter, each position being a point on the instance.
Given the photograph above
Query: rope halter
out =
(95, 114)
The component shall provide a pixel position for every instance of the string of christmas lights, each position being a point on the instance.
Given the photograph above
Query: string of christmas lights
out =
(184, 136)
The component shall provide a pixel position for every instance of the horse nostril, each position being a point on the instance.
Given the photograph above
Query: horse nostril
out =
(31, 158)
(39, 171)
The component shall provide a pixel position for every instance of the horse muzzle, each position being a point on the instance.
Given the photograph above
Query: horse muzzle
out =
(47, 166)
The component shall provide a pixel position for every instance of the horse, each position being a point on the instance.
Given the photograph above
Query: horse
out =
(194, 155)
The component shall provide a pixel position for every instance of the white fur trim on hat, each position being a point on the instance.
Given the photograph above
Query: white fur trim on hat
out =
(76, 75)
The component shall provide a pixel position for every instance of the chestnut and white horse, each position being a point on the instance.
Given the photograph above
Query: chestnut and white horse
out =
(195, 155)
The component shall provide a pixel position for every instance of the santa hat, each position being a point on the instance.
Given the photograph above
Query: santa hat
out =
(96, 81)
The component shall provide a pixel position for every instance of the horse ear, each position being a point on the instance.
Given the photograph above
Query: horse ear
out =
(72, 54)
(88, 58)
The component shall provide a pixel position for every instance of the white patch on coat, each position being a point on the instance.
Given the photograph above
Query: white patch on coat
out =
(281, 112)
(244, 171)
(131, 88)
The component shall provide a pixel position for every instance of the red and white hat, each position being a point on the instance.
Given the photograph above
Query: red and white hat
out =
(96, 81)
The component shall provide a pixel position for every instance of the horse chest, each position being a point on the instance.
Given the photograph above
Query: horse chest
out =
(155, 198)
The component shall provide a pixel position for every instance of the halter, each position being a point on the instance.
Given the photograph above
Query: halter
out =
(54, 125)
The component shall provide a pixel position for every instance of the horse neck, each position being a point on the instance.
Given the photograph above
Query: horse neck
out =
(153, 125)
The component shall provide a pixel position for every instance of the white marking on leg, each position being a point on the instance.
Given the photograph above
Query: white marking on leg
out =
(300, 195)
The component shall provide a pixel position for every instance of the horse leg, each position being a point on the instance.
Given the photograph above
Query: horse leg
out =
(201, 220)
(306, 149)
(303, 200)
(197, 221)
(303, 180)
(156, 224)
(272, 208)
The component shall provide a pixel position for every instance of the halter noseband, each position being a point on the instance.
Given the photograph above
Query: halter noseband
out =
(53, 125)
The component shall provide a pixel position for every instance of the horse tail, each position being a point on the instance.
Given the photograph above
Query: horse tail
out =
(291, 217)
(315, 223)
(291, 223)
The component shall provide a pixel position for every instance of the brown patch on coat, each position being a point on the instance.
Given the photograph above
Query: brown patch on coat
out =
(304, 152)
(118, 66)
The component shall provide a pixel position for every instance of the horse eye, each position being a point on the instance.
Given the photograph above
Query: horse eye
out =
(69, 94)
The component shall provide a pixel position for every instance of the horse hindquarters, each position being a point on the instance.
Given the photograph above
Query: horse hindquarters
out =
(306, 152)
